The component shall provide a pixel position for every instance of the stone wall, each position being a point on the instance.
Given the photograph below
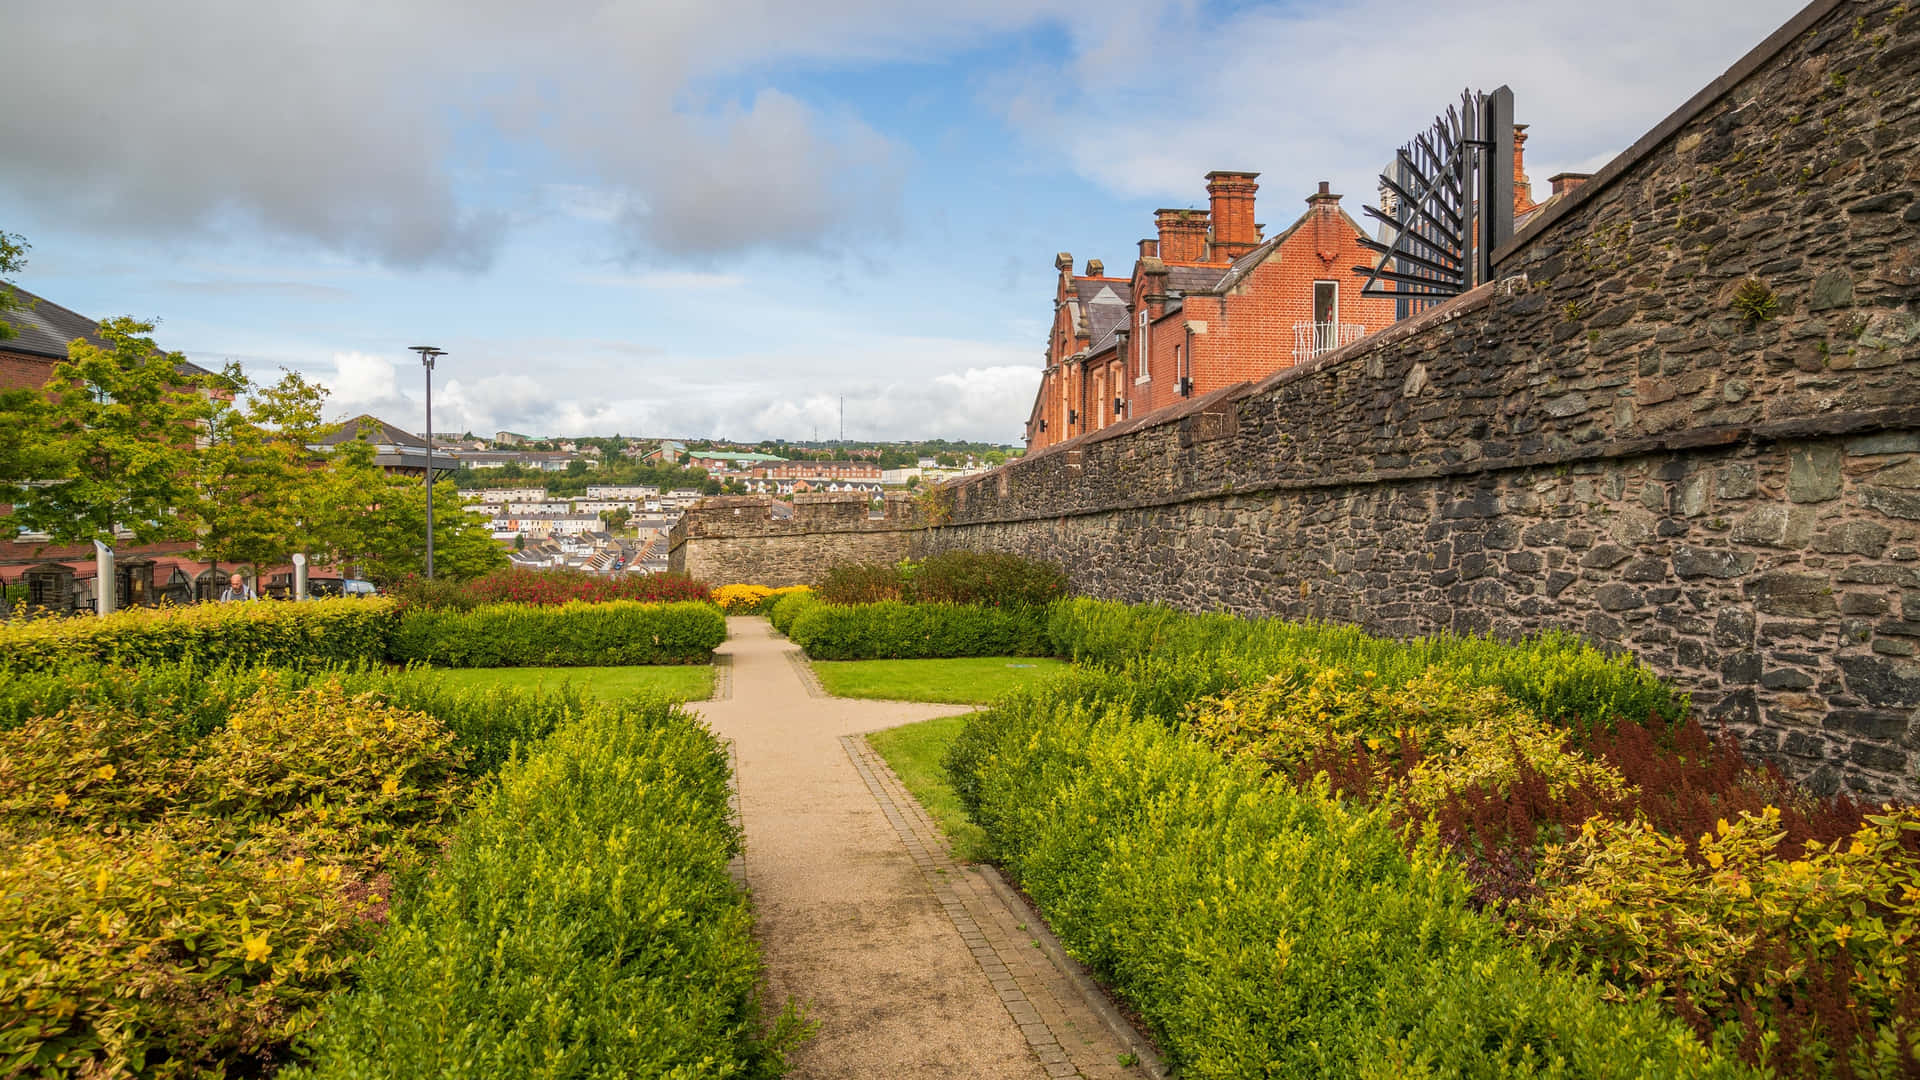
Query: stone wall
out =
(1684, 421)
(738, 540)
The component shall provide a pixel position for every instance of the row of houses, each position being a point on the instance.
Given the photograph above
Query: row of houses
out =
(1213, 301)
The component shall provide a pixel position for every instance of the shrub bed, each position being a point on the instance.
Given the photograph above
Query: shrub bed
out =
(570, 635)
(517, 585)
(990, 579)
(319, 633)
(583, 923)
(1186, 657)
(1265, 930)
(895, 630)
(1604, 828)
(790, 607)
(753, 599)
(179, 901)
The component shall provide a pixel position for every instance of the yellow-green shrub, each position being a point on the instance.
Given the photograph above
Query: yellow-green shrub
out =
(583, 923)
(321, 632)
(1464, 735)
(1730, 924)
(177, 951)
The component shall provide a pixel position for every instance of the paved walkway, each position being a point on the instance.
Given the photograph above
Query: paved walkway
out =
(911, 965)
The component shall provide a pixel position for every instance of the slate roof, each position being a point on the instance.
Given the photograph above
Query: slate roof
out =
(379, 432)
(43, 328)
(1192, 279)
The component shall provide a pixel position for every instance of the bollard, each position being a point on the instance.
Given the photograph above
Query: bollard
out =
(300, 575)
(103, 578)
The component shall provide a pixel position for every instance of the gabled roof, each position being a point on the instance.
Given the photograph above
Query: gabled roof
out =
(44, 328)
(378, 431)
(1192, 279)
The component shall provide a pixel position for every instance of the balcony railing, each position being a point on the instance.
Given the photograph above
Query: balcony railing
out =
(1311, 339)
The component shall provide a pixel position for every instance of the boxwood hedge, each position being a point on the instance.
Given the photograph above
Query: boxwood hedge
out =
(583, 923)
(1264, 930)
(569, 635)
(893, 630)
(320, 633)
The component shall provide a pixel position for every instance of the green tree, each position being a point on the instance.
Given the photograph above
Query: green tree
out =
(258, 482)
(117, 428)
(377, 524)
(13, 259)
(617, 518)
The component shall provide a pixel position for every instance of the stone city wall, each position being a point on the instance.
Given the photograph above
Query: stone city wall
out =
(1685, 421)
(737, 540)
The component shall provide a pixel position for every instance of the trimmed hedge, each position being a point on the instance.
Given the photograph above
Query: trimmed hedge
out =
(570, 635)
(790, 607)
(1264, 930)
(1185, 657)
(319, 633)
(193, 701)
(582, 924)
(891, 630)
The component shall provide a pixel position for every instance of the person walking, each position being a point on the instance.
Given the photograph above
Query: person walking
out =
(237, 589)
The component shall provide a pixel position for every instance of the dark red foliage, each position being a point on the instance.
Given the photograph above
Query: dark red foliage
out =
(521, 586)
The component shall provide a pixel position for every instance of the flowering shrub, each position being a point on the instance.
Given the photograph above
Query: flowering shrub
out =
(173, 905)
(753, 599)
(741, 599)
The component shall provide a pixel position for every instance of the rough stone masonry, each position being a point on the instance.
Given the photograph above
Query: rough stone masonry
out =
(738, 540)
(1685, 421)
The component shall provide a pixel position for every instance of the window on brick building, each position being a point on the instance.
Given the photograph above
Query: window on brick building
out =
(1143, 345)
(1326, 302)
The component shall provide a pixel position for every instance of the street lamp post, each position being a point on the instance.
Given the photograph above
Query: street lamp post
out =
(427, 355)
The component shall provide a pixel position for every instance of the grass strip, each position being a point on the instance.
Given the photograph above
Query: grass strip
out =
(915, 753)
(971, 680)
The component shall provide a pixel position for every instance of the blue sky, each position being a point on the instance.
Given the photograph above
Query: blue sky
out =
(718, 218)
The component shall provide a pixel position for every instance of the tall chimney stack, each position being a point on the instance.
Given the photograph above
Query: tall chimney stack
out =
(1522, 187)
(1183, 235)
(1231, 197)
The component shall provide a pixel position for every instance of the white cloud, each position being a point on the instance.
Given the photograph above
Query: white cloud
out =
(376, 129)
(1326, 92)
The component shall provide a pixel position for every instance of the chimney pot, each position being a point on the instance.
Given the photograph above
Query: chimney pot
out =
(1326, 188)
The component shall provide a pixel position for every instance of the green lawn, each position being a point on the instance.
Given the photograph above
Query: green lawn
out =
(968, 680)
(688, 682)
(914, 752)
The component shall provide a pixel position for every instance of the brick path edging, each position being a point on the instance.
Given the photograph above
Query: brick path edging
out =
(1067, 989)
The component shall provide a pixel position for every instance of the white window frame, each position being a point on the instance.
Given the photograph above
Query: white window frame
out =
(1311, 299)
(1145, 332)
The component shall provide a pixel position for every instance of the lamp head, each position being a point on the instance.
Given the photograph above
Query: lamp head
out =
(427, 354)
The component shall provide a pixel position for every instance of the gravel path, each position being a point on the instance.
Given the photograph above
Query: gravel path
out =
(910, 965)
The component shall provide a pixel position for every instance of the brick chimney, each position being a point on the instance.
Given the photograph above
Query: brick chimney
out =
(1096, 268)
(1234, 231)
(1149, 249)
(1564, 183)
(1329, 232)
(1183, 235)
(1522, 187)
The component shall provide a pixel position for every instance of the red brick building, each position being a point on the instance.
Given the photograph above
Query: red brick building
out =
(1211, 302)
(43, 330)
